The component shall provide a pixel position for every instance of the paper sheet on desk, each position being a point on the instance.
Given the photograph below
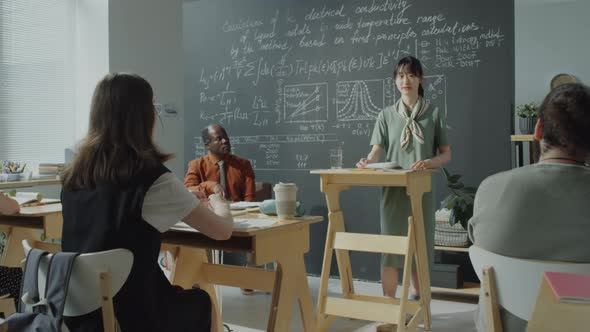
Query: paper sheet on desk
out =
(253, 223)
(238, 224)
(244, 205)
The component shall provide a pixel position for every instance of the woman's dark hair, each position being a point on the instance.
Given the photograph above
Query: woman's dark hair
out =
(565, 115)
(411, 65)
(119, 141)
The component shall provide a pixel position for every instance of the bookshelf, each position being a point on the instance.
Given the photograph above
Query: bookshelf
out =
(33, 183)
(469, 288)
(517, 142)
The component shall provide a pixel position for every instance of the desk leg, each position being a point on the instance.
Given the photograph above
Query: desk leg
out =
(283, 295)
(421, 256)
(13, 249)
(188, 271)
(291, 283)
(304, 296)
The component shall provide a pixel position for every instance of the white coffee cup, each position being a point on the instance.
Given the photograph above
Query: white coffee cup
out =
(286, 200)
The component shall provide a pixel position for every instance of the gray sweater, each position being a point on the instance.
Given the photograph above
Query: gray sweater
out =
(540, 211)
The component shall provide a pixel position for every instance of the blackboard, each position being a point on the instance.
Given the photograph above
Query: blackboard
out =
(291, 79)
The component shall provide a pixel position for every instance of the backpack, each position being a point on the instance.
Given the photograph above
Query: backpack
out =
(43, 315)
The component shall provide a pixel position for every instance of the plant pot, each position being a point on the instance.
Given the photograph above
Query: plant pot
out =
(527, 125)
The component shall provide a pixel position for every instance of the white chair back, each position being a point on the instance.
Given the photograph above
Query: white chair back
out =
(517, 279)
(84, 294)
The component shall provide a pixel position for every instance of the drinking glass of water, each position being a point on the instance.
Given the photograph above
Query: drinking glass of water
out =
(336, 158)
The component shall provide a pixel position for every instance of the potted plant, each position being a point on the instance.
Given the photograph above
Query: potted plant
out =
(459, 201)
(527, 117)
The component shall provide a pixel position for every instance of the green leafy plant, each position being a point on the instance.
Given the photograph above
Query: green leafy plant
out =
(459, 201)
(526, 110)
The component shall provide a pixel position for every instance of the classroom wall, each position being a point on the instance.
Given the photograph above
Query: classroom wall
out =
(145, 37)
(550, 38)
(92, 56)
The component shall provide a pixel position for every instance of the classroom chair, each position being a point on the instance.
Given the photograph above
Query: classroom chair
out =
(7, 305)
(263, 190)
(512, 283)
(96, 278)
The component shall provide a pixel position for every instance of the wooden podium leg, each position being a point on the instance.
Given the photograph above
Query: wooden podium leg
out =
(407, 276)
(335, 224)
(422, 267)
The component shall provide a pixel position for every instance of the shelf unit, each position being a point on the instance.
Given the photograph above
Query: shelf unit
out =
(517, 142)
(469, 288)
(32, 183)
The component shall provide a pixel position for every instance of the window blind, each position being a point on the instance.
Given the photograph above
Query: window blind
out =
(37, 87)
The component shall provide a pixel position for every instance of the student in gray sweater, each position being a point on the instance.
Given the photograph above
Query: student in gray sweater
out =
(541, 211)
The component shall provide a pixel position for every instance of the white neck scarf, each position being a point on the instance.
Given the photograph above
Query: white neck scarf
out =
(412, 127)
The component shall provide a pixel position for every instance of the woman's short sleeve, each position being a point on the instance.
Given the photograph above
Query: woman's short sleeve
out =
(380, 133)
(167, 202)
(440, 131)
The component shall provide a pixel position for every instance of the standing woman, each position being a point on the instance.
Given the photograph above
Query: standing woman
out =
(413, 133)
(118, 194)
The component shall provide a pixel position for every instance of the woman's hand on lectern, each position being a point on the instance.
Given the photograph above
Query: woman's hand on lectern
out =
(362, 163)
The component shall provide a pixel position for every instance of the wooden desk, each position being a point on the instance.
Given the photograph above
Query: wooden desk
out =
(284, 243)
(28, 224)
(332, 182)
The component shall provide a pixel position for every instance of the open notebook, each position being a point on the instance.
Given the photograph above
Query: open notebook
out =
(32, 198)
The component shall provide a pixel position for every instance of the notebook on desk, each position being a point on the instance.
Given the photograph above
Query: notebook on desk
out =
(569, 287)
(32, 199)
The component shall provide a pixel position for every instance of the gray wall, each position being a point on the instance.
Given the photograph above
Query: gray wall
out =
(551, 37)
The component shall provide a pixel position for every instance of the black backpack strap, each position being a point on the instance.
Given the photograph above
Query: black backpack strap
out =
(58, 279)
(30, 286)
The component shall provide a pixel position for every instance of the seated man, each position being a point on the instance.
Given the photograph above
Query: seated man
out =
(220, 170)
(541, 211)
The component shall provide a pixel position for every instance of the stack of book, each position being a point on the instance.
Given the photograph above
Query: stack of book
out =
(50, 171)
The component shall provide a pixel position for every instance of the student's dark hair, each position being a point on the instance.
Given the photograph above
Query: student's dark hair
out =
(119, 141)
(565, 114)
(411, 65)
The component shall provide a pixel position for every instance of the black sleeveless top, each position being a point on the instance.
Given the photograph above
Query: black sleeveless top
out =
(110, 216)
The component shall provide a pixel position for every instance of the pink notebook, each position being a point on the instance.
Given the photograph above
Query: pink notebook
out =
(569, 287)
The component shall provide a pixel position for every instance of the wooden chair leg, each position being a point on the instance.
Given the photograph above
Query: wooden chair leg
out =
(491, 300)
(7, 305)
(108, 313)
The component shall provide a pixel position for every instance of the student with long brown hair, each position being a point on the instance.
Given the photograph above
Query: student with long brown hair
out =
(118, 194)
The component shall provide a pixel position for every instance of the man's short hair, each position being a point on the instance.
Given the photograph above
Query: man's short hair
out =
(565, 114)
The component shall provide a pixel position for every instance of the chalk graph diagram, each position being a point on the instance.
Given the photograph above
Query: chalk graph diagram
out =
(359, 100)
(305, 103)
(435, 91)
